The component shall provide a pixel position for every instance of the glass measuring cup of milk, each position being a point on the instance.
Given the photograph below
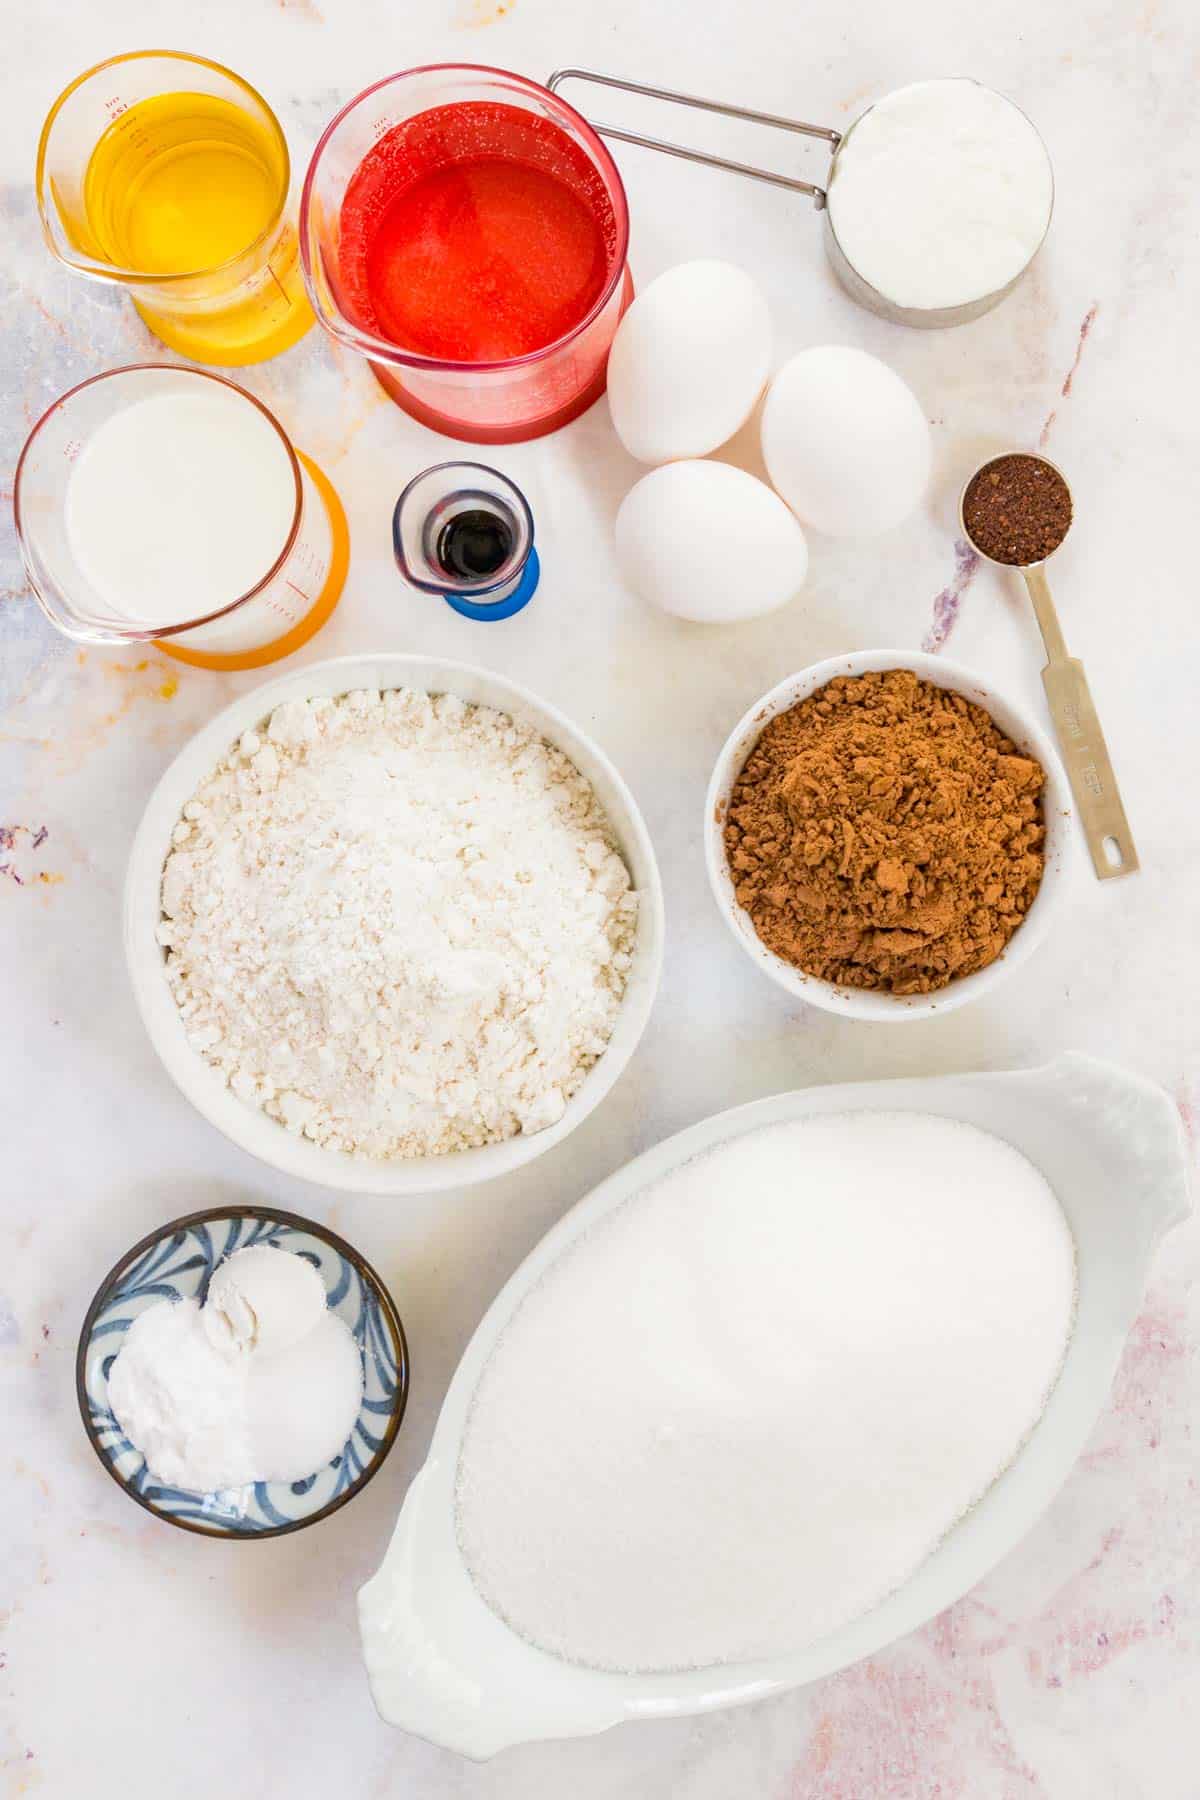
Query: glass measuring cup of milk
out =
(485, 166)
(168, 175)
(157, 504)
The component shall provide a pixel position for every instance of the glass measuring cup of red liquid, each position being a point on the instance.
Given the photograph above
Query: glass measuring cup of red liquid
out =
(466, 230)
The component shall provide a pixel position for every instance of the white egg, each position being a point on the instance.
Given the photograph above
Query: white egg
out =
(689, 361)
(845, 442)
(708, 542)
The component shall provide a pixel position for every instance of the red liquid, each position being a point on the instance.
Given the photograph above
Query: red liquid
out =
(475, 232)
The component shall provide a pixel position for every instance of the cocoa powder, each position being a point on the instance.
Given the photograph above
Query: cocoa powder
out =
(884, 833)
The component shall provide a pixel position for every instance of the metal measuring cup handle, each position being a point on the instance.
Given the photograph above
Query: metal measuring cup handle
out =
(824, 132)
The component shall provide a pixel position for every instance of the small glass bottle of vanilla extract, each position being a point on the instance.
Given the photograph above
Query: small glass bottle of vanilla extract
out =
(464, 531)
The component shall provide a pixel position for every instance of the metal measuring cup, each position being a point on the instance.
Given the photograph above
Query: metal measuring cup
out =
(855, 284)
(1076, 722)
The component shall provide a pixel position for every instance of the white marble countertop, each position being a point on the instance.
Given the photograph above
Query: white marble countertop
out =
(135, 1660)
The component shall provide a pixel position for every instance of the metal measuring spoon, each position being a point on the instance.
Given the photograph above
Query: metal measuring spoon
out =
(1076, 723)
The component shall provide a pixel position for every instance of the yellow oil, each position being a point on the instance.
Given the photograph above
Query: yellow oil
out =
(187, 185)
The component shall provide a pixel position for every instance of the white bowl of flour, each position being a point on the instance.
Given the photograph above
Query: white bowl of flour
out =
(1106, 1147)
(393, 924)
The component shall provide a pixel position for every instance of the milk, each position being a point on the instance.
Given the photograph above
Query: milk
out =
(178, 505)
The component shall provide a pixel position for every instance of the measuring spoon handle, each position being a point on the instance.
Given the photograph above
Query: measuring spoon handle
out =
(1089, 768)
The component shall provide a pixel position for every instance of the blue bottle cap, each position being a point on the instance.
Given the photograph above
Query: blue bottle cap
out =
(520, 597)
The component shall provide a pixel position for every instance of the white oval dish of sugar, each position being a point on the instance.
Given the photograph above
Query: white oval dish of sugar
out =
(941, 193)
(771, 1383)
(180, 504)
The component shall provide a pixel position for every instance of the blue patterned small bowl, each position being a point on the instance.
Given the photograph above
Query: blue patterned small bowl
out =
(177, 1262)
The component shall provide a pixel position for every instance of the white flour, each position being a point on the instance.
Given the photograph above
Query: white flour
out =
(745, 1407)
(398, 924)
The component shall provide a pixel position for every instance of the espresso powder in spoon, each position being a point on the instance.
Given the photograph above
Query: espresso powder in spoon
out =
(1017, 510)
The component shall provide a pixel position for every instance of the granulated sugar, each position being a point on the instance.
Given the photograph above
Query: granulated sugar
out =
(745, 1407)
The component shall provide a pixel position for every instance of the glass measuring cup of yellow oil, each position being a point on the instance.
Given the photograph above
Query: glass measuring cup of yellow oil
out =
(169, 175)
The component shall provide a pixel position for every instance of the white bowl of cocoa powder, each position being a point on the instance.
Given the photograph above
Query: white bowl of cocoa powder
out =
(887, 836)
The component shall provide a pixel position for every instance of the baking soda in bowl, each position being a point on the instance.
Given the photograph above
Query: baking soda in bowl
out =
(941, 194)
(744, 1408)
